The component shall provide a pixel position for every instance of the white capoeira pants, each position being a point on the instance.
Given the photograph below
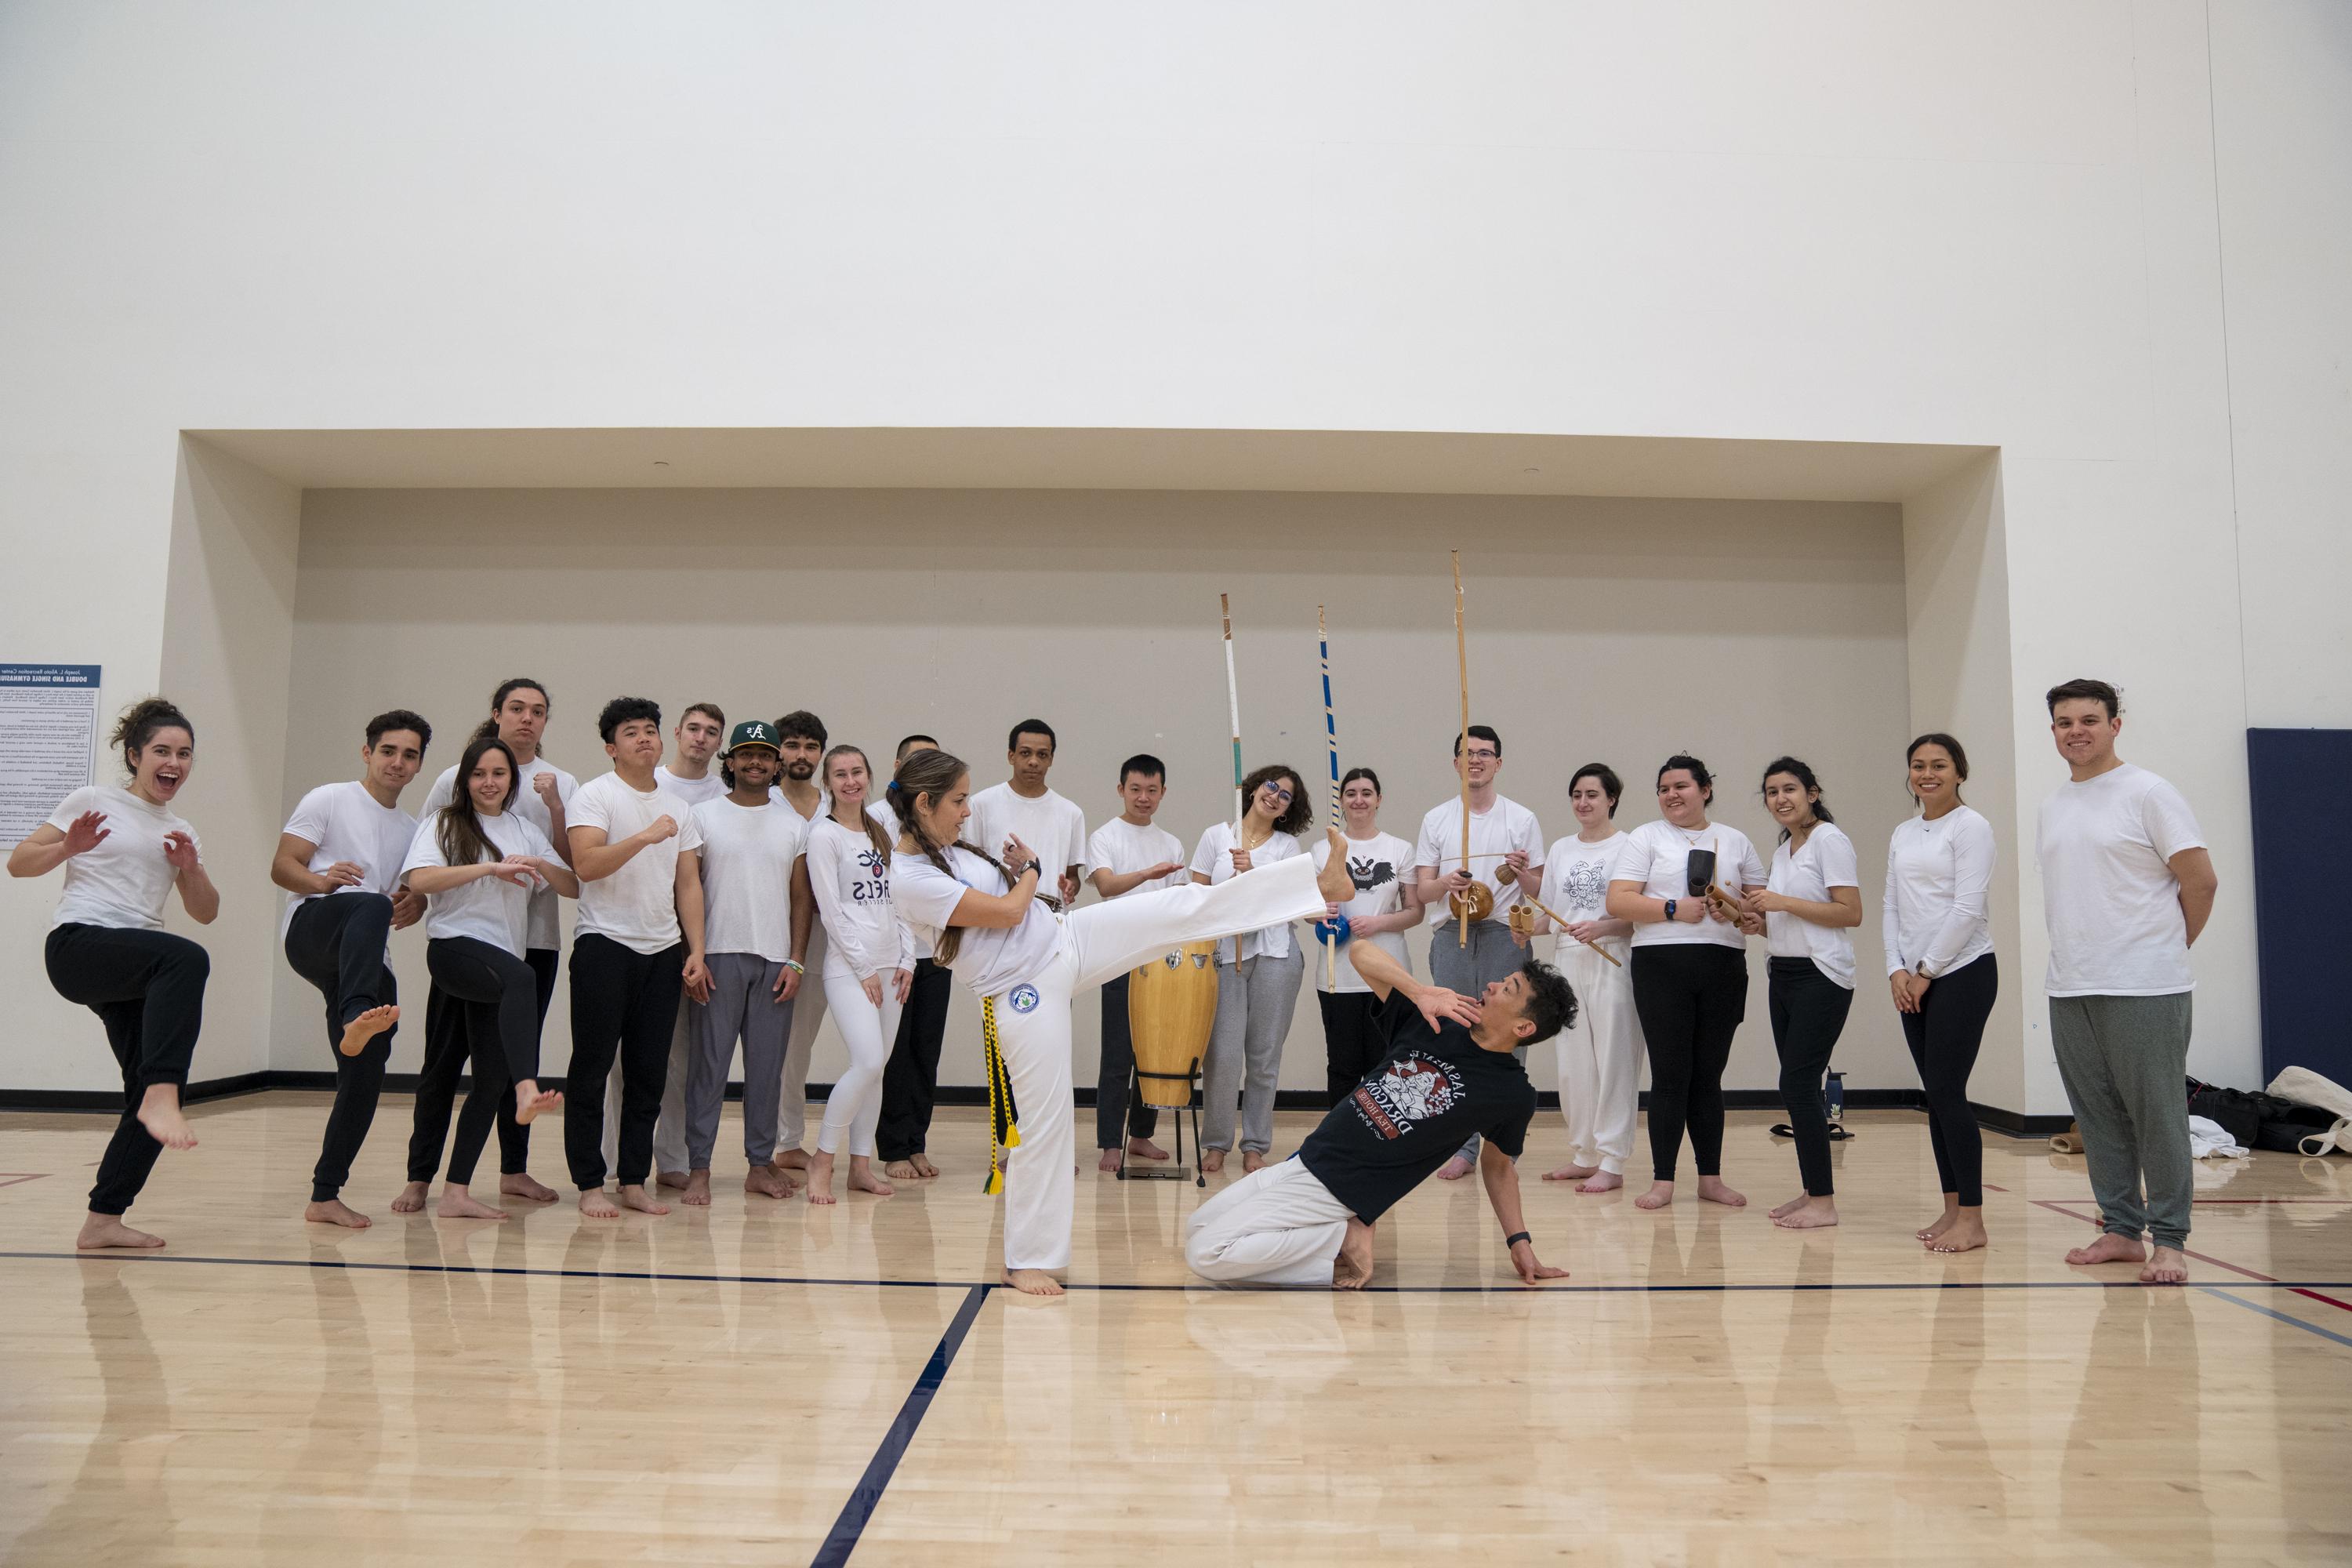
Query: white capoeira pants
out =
(855, 1107)
(1600, 1058)
(1277, 1225)
(1098, 941)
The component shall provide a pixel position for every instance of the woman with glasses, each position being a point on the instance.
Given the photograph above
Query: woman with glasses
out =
(1258, 973)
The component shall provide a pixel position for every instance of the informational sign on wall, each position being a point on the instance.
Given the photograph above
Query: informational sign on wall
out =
(49, 740)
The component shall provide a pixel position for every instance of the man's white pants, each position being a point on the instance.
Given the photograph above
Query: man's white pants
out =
(1098, 941)
(1600, 1060)
(1277, 1225)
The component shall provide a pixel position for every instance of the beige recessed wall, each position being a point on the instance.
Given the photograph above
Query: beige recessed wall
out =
(1610, 629)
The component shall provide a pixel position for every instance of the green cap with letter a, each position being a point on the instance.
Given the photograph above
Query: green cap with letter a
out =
(754, 732)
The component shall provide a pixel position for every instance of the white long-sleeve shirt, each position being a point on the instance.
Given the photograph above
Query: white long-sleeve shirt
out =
(1939, 889)
(864, 935)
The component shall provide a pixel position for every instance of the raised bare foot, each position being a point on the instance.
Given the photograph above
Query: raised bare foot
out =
(1965, 1234)
(1941, 1224)
(1033, 1282)
(521, 1184)
(1813, 1214)
(635, 1197)
(366, 1027)
(1145, 1149)
(820, 1179)
(676, 1181)
(104, 1230)
(901, 1170)
(1660, 1194)
(1212, 1161)
(335, 1212)
(1604, 1182)
(1335, 882)
(533, 1102)
(596, 1206)
(1792, 1206)
(768, 1182)
(1457, 1168)
(457, 1203)
(159, 1112)
(698, 1189)
(1252, 1161)
(411, 1198)
(924, 1169)
(2109, 1248)
(1107, 1164)
(1571, 1172)
(1712, 1190)
(862, 1178)
(793, 1160)
(1352, 1270)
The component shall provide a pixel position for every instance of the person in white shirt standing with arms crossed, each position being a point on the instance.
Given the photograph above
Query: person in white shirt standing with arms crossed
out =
(2126, 886)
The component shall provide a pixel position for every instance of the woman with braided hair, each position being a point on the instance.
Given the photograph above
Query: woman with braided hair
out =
(981, 912)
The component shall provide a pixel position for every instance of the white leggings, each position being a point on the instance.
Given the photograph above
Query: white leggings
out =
(1277, 1225)
(855, 1106)
(1098, 942)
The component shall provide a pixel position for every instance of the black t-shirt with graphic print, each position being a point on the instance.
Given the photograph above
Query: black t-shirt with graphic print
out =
(1414, 1112)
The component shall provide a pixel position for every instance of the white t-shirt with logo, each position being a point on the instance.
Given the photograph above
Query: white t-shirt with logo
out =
(747, 876)
(1576, 884)
(636, 906)
(1657, 856)
(546, 934)
(1501, 828)
(122, 882)
(863, 934)
(344, 821)
(488, 909)
(1212, 858)
(1826, 861)
(2108, 894)
(694, 792)
(989, 960)
(1123, 849)
(1052, 824)
(1380, 867)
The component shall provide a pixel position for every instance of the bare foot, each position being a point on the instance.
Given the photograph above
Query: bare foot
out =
(334, 1212)
(1944, 1222)
(159, 1112)
(521, 1186)
(1606, 1182)
(1033, 1282)
(820, 1179)
(2109, 1248)
(635, 1197)
(1352, 1270)
(793, 1160)
(531, 1102)
(1965, 1234)
(677, 1181)
(1457, 1168)
(1252, 1161)
(411, 1198)
(596, 1206)
(1813, 1214)
(1571, 1172)
(862, 1178)
(1109, 1164)
(1212, 1161)
(1334, 881)
(768, 1182)
(698, 1189)
(1792, 1206)
(366, 1027)
(901, 1170)
(1712, 1190)
(2169, 1267)
(104, 1230)
(1660, 1194)
(1145, 1149)
(924, 1169)
(457, 1203)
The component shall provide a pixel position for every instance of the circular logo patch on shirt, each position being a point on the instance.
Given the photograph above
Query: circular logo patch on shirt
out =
(1025, 998)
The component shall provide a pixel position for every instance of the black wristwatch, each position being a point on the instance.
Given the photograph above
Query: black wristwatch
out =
(1670, 908)
(1516, 1237)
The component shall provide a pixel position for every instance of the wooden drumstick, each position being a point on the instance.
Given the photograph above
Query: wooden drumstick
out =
(1462, 747)
(1560, 923)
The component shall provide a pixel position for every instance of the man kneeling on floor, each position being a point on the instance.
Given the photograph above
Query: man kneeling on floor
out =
(1450, 1073)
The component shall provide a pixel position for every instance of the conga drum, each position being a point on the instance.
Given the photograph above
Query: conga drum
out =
(1172, 1000)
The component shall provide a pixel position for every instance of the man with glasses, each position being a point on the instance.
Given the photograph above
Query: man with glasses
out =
(1506, 846)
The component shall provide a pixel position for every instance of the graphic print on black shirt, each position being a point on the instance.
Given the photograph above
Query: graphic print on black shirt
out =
(1407, 1092)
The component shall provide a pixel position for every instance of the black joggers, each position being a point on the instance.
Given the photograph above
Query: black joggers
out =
(1352, 1047)
(623, 1002)
(1116, 1076)
(447, 1052)
(148, 988)
(337, 943)
(1690, 996)
(911, 1078)
(1943, 1035)
(494, 996)
(1808, 1013)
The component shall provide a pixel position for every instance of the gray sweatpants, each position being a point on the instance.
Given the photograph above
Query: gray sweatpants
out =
(2124, 1062)
(742, 1005)
(1256, 1001)
(1491, 955)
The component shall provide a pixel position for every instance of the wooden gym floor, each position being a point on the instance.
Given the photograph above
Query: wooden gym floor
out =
(769, 1382)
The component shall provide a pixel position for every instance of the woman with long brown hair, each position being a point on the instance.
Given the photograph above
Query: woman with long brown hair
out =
(869, 966)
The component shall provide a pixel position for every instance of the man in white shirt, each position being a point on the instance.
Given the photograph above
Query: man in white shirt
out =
(911, 1080)
(638, 951)
(1024, 807)
(1506, 846)
(801, 741)
(690, 778)
(1129, 853)
(2127, 887)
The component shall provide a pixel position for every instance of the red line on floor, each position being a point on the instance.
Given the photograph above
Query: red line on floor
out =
(2094, 1219)
(1990, 1188)
(10, 1178)
(2317, 1297)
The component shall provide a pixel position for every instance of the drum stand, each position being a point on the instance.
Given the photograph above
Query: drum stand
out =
(1175, 1172)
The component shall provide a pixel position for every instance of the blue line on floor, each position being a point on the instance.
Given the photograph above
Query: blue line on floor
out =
(2282, 1317)
(867, 1494)
(1555, 1289)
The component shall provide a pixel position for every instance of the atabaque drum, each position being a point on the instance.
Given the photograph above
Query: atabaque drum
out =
(1172, 1000)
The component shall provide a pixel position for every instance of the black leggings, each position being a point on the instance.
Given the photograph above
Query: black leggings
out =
(148, 988)
(1944, 1037)
(911, 1078)
(1808, 1013)
(1116, 1074)
(1352, 1046)
(445, 1054)
(624, 1002)
(337, 943)
(1690, 997)
(495, 995)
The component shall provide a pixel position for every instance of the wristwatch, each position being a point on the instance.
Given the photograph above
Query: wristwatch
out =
(1670, 907)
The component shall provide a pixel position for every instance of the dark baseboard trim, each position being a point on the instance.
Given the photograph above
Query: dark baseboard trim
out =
(1992, 1118)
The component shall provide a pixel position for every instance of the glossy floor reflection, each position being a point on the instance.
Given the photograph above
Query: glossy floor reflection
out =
(711, 1386)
